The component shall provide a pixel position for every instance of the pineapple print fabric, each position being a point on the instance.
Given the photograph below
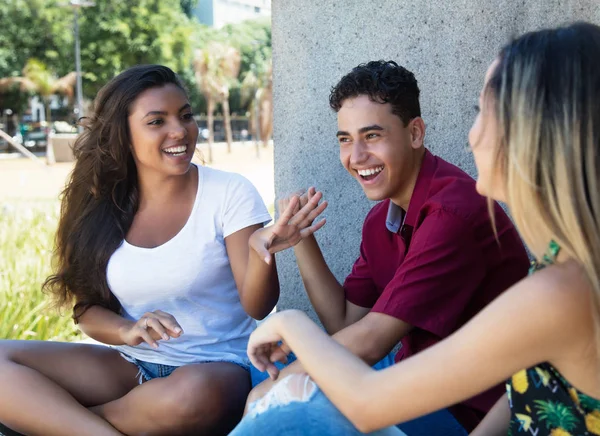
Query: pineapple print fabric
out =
(543, 403)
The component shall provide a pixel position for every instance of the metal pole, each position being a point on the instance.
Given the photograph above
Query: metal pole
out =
(78, 68)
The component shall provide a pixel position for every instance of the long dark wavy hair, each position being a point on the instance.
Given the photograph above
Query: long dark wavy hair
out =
(102, 194)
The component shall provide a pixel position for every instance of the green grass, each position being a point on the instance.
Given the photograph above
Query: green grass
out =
(26, 242)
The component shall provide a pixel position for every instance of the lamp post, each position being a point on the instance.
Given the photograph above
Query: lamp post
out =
(76, 4)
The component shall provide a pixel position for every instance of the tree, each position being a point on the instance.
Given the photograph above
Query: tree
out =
(265, 104)
(257, 87)
(116, 35)
(217, 66)
(38, 79)
(252, 38)
(187, 6)
(40, 29)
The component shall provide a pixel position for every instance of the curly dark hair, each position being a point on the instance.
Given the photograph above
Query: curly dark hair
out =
(384, 82)
(102, 194)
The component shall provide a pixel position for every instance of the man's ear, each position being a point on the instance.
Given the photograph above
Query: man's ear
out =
(417, 132)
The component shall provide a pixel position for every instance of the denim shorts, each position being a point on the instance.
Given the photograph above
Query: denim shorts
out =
(148, 370)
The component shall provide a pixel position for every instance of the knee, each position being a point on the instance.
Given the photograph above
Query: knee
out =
(203, 403)
(6, 351)
(293, 388)
(187, 399)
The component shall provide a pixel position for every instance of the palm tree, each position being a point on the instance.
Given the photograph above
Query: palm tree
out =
(38, 79)
(216, 68)
(265, 104)
(258, 86)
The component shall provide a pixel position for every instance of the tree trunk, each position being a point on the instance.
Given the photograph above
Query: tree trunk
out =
(210, 103)
(266, 116)
(254, 119)
(227, 122)
(50, 159)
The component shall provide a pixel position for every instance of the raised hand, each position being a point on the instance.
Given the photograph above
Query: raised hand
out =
(295, 223)
(150, 328)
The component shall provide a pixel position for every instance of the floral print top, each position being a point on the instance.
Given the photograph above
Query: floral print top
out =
(543, 403)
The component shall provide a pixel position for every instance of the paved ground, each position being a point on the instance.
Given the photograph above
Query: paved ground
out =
(24, 179)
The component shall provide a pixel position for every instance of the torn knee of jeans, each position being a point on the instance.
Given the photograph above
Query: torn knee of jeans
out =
(293, 388)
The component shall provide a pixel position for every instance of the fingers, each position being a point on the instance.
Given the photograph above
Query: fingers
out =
(264, 362)
(280, 354)
(305, 197)
(283, 203)
(260, 241)
(155, 324)
(315, 213)
(312, 229)
(309, 212)
(169, 322)
(273, 371)
(289, 211)
(311, 192)
(259, 356)
(264, 254)
(144, 334)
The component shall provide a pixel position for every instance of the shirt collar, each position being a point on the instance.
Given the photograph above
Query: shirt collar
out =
(396, 216)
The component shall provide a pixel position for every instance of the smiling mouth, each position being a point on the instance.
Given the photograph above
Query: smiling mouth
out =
(179, 150)
(370, 174)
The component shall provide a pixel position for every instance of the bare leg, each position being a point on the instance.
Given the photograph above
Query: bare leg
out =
(206, 398)
(47, 386)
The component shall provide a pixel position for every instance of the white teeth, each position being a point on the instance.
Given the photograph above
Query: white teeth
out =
(370, 171)
(177, 149)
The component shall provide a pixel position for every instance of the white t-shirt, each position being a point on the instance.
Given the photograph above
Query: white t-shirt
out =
(190, 276)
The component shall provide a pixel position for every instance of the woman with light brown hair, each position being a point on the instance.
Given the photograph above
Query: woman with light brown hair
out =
(536, 145)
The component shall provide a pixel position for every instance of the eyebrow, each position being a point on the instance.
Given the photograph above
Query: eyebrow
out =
(182, 108)
(361, 130)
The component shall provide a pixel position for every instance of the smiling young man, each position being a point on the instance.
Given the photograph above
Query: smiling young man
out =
(429, 257)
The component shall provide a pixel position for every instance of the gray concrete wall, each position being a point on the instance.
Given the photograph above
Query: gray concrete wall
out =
(447, 44)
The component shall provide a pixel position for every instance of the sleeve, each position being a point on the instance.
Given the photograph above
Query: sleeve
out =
(442, 270)
(243, 206)
(359, 287)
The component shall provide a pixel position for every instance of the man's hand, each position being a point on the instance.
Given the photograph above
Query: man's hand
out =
(294, 224)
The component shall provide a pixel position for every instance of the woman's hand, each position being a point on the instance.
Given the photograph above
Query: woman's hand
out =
(267, 345)
(294, 224)
(150, 328)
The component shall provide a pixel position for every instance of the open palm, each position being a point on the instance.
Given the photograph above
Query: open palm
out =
(294, 224)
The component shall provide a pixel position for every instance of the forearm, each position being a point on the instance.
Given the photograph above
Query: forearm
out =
(497, 420)
(324, 291)
(260, 291)
(368, 339)
(313, 347)
(355, 347)
(103, 325)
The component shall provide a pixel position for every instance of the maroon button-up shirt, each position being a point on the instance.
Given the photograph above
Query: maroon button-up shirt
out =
(437, 265)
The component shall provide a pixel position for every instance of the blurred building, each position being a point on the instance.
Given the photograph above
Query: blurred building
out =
(217, 13)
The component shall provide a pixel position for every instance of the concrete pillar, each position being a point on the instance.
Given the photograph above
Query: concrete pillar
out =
(448, 45)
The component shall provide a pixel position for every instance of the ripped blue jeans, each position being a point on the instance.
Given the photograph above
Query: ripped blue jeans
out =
(297, 407)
